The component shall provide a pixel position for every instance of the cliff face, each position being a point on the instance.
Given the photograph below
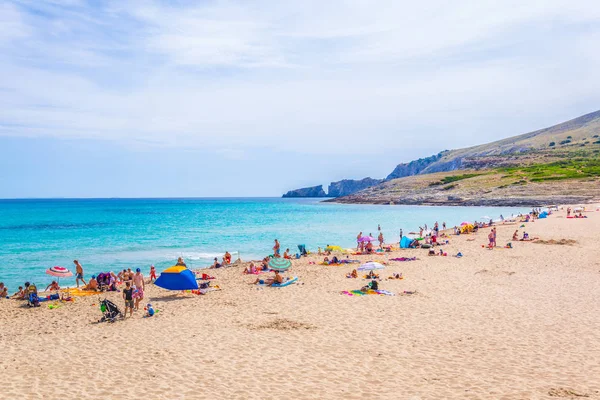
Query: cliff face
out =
(413, 167)
(313, 191)
(349, 186)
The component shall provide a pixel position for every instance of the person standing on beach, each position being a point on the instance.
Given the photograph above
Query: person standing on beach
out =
(494, 233)
(78, 273)
(276, 248)
(380, 238)
(128, 297)
(358, 240)
(140, 285)
(152, 273)
(400, 234)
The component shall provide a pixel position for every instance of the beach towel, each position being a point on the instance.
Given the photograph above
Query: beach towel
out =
(370, 292)
(404, 259)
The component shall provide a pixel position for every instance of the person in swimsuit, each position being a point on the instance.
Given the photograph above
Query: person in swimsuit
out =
(358, 242)
(92, 284)
(128, 297)
(78, 273)
(180, 262)
(227, 258)
(3, 291)
(140, 285)
(20, 294)
(53, 286)
(516, 235)
(152, 273)
(276, 248)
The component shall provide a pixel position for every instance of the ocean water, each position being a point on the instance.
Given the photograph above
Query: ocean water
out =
(112, 234)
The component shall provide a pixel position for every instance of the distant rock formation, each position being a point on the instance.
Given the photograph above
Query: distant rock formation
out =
(313, 191)
(350, 186)
(413, 167)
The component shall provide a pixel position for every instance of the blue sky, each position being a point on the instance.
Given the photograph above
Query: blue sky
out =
(236, 98)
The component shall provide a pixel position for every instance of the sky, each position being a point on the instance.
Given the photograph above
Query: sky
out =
(236, 98)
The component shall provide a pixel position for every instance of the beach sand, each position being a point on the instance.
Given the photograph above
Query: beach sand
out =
(521, 323)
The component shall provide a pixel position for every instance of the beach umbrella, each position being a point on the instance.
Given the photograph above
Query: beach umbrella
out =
(59, 272)
(177, 278)
(279, 264)
(465, 223)
(371, 265)
(367, 239)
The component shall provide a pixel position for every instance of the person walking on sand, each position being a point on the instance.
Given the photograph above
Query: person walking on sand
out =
(276, 248)
(140, 285)
(128, 297)
(152, 273)
(358, 240)
(79, 273)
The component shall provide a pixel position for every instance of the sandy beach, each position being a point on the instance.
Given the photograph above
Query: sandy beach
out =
(520, 323)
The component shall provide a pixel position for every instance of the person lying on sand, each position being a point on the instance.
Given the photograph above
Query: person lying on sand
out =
(396, 276)
(352, 274)
(53, 286)
(92, 284)
(269, 281)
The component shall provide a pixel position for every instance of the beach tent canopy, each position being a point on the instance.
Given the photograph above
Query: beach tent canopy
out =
(543, 215)
(405, 242)
(279, 264)
(177, 278)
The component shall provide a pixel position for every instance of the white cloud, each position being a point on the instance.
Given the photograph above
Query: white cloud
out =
(320, 77)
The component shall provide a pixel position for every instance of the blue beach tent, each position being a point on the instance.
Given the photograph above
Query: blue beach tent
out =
(405, 242)
(177, 278)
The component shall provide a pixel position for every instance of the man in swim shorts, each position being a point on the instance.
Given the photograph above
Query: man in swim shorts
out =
(140, 285)
(78, 273)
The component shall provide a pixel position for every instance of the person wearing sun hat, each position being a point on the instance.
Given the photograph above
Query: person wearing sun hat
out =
(140, 285)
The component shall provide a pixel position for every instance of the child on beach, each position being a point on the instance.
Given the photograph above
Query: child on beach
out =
(20, 294)
(128, 297)
(3, 291)
(152, 273)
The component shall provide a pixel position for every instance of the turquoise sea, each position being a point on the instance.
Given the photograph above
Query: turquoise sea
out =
(112, 234)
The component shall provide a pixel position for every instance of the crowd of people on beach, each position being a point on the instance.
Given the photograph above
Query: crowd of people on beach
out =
(133, 284)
